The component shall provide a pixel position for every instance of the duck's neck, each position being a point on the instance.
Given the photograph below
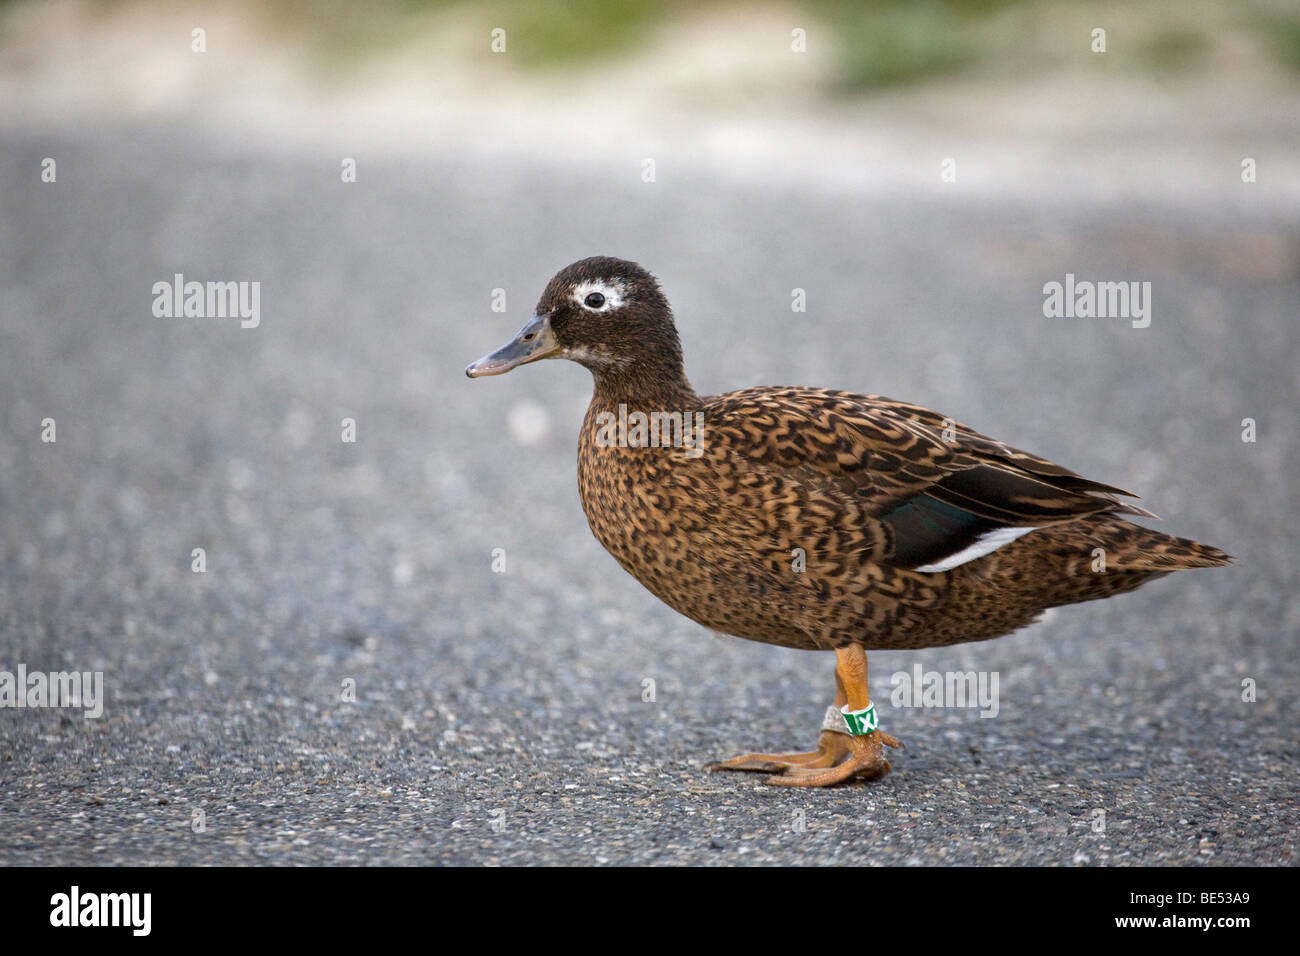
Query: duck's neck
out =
(643, 388)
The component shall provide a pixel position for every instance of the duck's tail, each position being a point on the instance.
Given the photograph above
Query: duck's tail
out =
(1094, 557)
(1142, 549)
(1106, 541)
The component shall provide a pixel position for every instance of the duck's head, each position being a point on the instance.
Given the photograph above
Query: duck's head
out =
(606, 314)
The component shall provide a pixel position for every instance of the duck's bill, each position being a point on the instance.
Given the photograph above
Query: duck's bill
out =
(534, 341)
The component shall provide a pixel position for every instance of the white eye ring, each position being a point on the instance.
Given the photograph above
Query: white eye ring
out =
(612, 293)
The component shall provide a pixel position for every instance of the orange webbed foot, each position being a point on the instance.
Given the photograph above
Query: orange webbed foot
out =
(831, 749)
(865, 760)
(850, 746)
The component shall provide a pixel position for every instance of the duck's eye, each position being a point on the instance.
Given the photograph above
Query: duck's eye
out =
(594, 301)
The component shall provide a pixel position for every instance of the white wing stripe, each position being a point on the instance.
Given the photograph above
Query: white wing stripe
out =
(987, 543)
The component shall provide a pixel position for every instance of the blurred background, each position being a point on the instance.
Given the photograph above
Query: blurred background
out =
(919, 169)
(855, 91)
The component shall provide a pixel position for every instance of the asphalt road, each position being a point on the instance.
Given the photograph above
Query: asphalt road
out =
(499, 717)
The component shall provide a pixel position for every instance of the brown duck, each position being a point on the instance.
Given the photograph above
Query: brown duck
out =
(818, 519)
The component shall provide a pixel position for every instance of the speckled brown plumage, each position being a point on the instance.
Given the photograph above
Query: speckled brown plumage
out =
(874, 493)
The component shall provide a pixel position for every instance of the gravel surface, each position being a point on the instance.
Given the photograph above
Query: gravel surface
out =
(499, 717)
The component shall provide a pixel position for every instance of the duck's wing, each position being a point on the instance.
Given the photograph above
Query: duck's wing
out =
(942, 493)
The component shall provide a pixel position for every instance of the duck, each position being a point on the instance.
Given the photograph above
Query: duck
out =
(818, 519)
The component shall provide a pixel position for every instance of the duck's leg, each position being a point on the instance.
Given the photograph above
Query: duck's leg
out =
(866, 757)
(839, 755)
(832, 747)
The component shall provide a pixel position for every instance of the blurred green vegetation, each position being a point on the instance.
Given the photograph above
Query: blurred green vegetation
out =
(565, 32)
(882, 43)
(877, 43)
(1175, 49)
(1284, 32)
(889, 42)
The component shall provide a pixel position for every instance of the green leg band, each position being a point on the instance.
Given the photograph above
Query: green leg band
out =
(860, 722)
